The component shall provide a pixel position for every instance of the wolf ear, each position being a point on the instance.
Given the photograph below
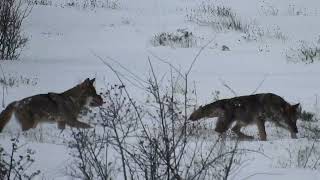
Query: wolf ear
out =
(296, 106)
(92, 80)
(87, 80)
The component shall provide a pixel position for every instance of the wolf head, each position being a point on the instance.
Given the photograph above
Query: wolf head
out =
(291, 114)
(199, 113)
(89, 92)
(214, 109)
(203, 112)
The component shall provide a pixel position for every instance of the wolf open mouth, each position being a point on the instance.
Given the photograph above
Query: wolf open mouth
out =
(96, 101)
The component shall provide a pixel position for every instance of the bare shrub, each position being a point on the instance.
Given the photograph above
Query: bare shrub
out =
(39, 2)
(294, 11)
(310, 130)
(305, 52)
(165, 150)
(224, 18)
(120, 117)
(219, 17)
(12, 15)
(304, 157)
(269, 9)
(309, 125)
(309, 122)
(181, 38)
(308, 116)
(256, 32)
(12, 80)
(92, 148)
(14, 165)
(149, 140)
(90, 151)
(80, 4)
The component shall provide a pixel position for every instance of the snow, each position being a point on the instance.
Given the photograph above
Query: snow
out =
(64, 43)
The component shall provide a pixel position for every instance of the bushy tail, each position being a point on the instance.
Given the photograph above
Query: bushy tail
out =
(6, 115)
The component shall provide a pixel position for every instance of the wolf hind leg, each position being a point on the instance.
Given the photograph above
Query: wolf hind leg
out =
(6, 114)
(237, 130)
(78, 124)
(26, 120)
(61, 125)
(223, 124)
(27, 126)
(262, 130)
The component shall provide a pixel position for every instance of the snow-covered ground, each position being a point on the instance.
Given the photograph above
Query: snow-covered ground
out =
(65, 42)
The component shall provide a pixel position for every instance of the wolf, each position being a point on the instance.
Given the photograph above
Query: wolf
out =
(251, 109)
(62, 108)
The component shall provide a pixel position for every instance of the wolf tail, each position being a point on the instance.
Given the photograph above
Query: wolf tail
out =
(6, 115)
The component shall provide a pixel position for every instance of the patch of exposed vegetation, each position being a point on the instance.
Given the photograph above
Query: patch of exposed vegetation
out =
(182, 38)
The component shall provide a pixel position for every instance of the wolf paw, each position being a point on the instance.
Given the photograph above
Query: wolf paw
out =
(246, 137)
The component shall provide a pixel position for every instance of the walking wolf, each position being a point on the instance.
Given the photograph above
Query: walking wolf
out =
(62, 108)
(251, 109)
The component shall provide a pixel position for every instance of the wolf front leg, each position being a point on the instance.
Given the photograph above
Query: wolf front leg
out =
(262, 130)
(26, 120)
(293, 135)
(224, 122)
(61, 125)
(237, 129)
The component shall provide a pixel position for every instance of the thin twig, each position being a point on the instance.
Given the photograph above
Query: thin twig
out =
(198, 54)
(4, 87)
(228, 87)
(260, 84)
(265, 173)
(147, 133)
(134, 76)
(166, 62)
(140, 86)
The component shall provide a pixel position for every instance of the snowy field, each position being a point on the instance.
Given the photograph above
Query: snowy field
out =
(263, 55)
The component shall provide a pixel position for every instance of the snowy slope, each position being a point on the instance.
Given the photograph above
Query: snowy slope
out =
(64, 43)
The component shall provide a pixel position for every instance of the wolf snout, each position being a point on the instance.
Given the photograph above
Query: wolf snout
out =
(191, 118)
(97, 101)
(100, 101)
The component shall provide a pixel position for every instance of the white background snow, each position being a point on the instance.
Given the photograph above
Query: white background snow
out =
(63, 43)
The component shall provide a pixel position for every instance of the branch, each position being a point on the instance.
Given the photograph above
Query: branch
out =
(147, 133)
(260, 84)
(228, 87)
(4, 86)
(198, 54)
(166, 62)
(264, 173)
(135, 77)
